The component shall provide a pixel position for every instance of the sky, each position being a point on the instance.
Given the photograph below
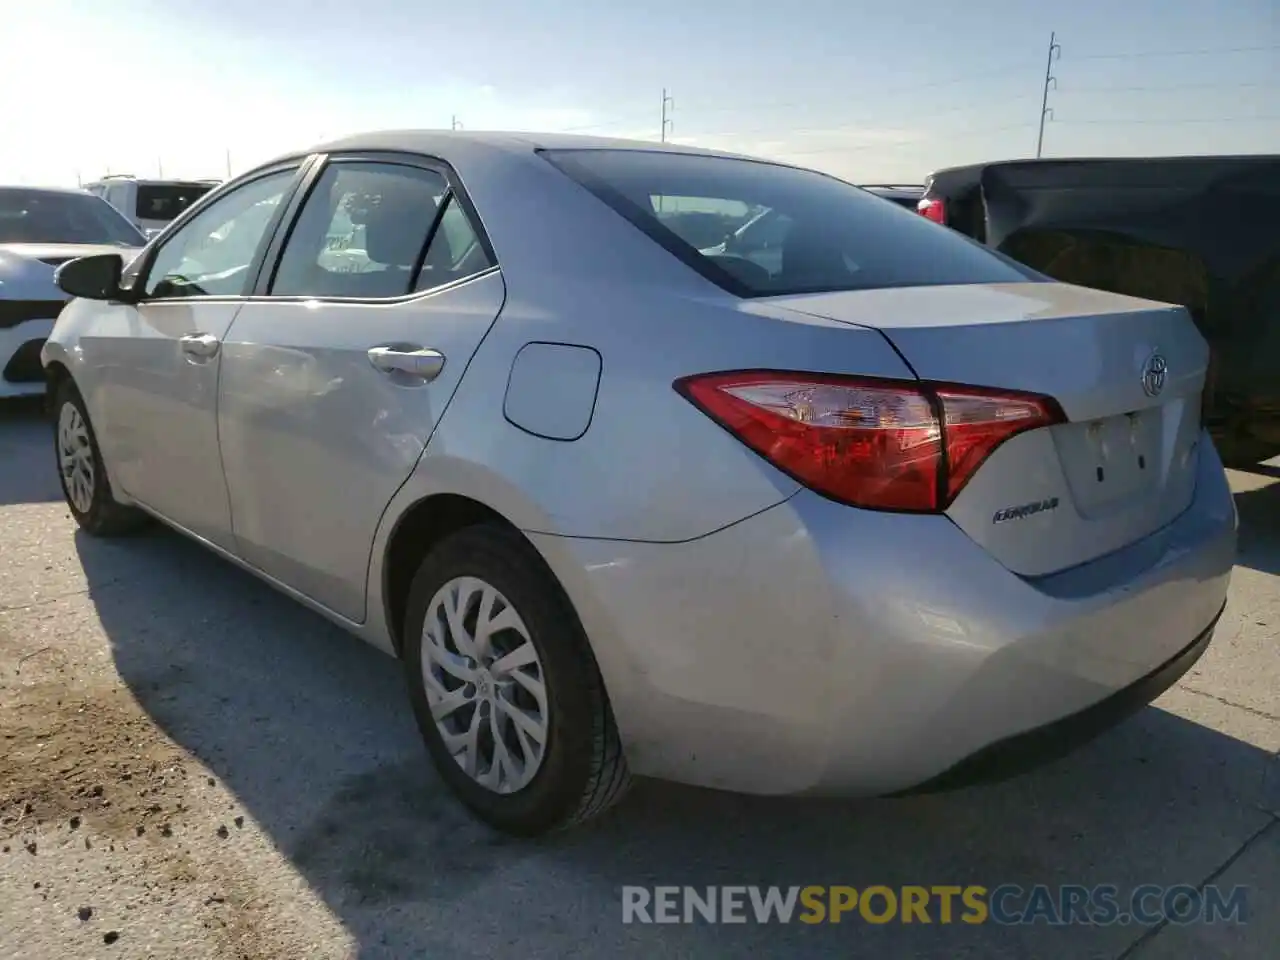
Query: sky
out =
(873, 92)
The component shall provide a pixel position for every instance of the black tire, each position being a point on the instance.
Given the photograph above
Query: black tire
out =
(105, 517)
(583, 770)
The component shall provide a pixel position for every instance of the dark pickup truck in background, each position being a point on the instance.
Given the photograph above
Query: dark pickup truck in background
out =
(1203, 232)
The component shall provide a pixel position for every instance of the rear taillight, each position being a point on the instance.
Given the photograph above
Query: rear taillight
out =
(931, 208)
(878, 444)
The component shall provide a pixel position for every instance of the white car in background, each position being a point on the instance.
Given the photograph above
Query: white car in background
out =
(40, 229)
(150, 205)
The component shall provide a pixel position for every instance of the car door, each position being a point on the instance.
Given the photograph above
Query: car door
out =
(159, 395)
(333, 379)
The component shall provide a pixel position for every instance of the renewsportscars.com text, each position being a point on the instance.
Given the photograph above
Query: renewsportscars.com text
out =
(1007, 904)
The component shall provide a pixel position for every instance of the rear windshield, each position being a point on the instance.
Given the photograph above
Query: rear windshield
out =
(48, 216)
(759, 229)
(164, 201)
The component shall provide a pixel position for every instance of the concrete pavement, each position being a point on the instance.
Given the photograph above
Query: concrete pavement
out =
(210, 771)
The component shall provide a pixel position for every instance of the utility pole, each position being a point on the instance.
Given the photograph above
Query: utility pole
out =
(454, 124)
(228, 163)
(160, 167)
(668, 104)
(1055, 52)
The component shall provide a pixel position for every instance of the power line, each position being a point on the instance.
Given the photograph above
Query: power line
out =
(848, 122)
(1172, 86)
(1169, 87)
(1147, 121)
(755, 105)
(637, 119)
(898, 144)
(1201, 51)
(633, 120)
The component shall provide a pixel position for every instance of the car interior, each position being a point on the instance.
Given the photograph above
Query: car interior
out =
(393, 231)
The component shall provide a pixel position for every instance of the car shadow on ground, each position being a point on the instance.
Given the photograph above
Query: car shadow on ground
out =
(1259, 510)
(311, 731)
(24, 428)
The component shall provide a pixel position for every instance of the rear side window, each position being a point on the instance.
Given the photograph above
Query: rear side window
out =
(363, 233)
(759, 229)
(164, 201)
(455, 251)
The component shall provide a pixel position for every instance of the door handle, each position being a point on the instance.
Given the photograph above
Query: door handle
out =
(203, 345)
(420, 362)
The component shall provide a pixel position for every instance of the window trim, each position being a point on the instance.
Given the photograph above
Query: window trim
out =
(138, 281)
(437, 220)
(321, 163)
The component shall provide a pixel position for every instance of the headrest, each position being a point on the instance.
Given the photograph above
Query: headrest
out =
(811, 256)
(393, 232)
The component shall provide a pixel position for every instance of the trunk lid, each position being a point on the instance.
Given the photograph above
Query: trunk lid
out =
(1125, 463)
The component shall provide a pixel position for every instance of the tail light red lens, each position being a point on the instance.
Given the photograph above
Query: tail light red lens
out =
(877, 444)
(931, 208)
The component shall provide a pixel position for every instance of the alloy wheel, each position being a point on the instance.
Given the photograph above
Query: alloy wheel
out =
(75, 458)
(485, 684)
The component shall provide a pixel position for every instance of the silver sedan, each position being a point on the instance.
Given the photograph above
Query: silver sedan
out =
(861, 509)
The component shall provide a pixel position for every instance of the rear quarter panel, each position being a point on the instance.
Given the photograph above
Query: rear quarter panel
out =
(650, 466)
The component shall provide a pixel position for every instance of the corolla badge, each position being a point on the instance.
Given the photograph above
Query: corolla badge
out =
(1153, 374)
(1025, 510)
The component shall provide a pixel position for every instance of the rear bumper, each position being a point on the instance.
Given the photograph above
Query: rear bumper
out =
(1025, 751)
(819, 649)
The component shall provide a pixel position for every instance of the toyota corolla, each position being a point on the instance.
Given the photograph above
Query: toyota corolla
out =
(880, 512)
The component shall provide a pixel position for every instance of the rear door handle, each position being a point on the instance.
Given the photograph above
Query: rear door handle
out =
(421, 363)
(202, 345)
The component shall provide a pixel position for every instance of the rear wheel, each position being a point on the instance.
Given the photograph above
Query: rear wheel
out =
(505, 689)
(82, 472)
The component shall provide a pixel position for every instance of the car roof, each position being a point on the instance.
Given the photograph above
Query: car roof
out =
(449, 143)
(30, 189)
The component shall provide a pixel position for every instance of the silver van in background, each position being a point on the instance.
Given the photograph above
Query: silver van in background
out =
(149, 204)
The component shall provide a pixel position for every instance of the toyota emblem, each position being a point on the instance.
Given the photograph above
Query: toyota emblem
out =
(1153, 374)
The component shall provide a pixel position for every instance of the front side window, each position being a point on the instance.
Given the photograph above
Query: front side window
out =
(762, 229)
(210, 255)
(55, 216)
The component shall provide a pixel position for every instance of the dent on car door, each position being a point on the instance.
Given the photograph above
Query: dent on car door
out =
(160, 394)
(332, 383)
